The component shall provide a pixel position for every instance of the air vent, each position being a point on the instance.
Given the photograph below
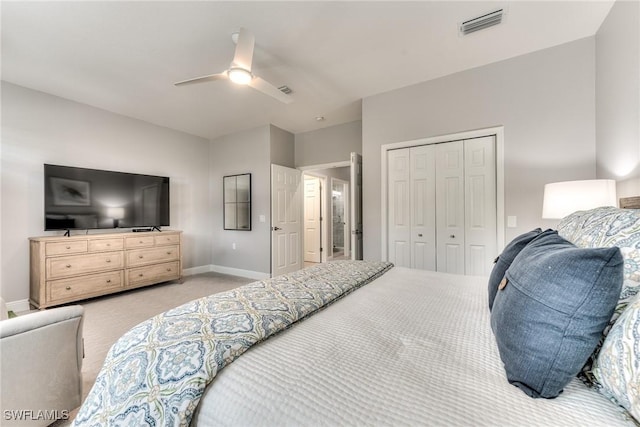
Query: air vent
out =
(481, 22)
(285, 89)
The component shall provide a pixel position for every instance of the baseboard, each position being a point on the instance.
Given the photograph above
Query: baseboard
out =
(196, 270)
(258, 275)
(18, 306)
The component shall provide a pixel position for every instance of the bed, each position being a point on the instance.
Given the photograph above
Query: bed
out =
(398, 347)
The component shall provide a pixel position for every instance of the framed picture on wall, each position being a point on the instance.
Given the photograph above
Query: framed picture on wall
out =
(70, 192)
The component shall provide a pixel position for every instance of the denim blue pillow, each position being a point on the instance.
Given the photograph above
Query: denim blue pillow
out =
(548, 318)
(505, 259)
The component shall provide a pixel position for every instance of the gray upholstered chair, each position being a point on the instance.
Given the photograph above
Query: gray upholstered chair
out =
(40, 366)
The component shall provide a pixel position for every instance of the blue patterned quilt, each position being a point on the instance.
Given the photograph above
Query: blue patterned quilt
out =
(156, 373)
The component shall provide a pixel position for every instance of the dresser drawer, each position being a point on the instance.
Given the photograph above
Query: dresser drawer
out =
(101, 245)
(61, 267)
(153, 274)
(167, 239)
(139, 242)
(138, 257)
(85, 286)
(64, 248)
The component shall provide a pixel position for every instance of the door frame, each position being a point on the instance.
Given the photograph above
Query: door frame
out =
(498, 131)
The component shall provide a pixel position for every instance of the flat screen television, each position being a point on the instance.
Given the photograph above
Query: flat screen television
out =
(78, 198)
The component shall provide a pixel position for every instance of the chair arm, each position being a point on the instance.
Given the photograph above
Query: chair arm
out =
(41, 362)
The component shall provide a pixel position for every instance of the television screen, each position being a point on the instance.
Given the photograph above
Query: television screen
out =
(77, 198)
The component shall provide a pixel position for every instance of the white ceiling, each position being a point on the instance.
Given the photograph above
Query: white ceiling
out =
(125, 56)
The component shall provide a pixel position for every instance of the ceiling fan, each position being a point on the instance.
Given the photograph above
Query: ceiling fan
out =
(240, 70)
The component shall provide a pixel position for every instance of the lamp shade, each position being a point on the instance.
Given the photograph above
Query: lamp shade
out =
(115, 213)
(564, 198)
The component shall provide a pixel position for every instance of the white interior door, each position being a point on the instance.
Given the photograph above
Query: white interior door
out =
(423, 212)
(450, 207)
(356, 206)
(312, 229)
(286, 220)
(480, 205)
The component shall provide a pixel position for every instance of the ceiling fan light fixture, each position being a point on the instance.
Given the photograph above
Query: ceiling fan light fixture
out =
(240, 76)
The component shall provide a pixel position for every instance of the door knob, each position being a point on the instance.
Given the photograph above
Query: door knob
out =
(276, 228)
(453, 236)
(419, 234)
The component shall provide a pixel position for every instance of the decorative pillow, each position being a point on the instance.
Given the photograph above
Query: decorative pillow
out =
(608, 227)
(617, 367)
(550, 315)
(505, 259)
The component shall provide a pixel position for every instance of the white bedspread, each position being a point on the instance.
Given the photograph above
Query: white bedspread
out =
(411, 348)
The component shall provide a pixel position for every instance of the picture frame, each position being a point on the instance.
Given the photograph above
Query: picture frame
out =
(70, 192)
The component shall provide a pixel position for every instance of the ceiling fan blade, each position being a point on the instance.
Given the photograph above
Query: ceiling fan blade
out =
(269, 89)
(244, 50)
(202, 79)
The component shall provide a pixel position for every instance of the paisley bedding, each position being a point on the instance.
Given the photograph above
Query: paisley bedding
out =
(157, 372)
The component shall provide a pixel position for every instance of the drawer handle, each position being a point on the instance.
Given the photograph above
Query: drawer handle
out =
(68, 247)
(140, 275)
(140, 256)
(108, 280)
(68, 265)
(108, 260)
(68, 288)
(169, 252)
(168, 269)
(108, 244)
(141, 242)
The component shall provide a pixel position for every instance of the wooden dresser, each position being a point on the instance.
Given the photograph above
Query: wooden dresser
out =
(66, 269)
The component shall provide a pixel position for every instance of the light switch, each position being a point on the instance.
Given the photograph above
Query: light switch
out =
(263, 218)
(512, 222)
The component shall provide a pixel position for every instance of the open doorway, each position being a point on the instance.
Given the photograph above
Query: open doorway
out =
(340, 231)
(331, 230)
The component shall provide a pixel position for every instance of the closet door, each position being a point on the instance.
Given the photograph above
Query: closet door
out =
(450, 210)
(399, 216)
(480, 205)
(422, 206)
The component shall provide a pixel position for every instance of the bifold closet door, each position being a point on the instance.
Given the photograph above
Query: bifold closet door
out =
(411, 223)
(442, 206)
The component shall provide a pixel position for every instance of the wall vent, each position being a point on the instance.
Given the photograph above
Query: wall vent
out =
(481, 22)
(285, 89)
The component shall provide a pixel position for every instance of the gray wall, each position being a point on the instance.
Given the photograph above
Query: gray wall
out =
(545, 101)
(39, 128)
(242, 152)
(282, 147)
(328, 145)
(618, 97)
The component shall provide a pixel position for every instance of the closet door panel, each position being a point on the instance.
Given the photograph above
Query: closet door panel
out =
(450, 211)
(399, 207)
(423, 201)
(480, 205)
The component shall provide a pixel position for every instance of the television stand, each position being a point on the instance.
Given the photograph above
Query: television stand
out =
(68, 269)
